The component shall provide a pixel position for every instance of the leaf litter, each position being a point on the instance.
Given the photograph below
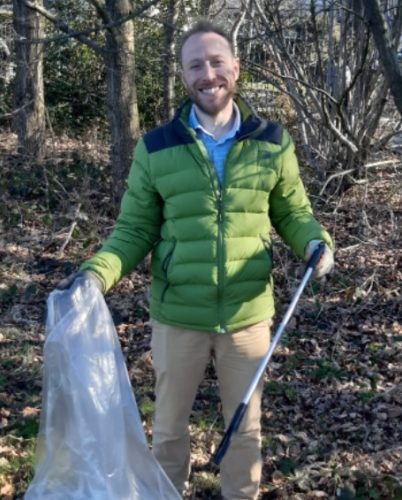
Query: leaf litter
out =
(332, 404)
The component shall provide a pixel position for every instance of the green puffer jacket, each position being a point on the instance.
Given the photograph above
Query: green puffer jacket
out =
(211, 246)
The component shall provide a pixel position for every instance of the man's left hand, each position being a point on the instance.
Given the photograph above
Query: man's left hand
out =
(326, 262)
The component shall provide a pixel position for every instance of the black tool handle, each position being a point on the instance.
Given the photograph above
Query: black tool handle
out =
(234, 425)
(316, 256)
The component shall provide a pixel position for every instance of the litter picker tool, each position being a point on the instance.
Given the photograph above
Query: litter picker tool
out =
(241, 409)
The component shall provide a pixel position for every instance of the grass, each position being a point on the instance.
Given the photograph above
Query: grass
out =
(205, 483)
(25, 460)
(16, 465)
(26, 429)
(326, 369)
(146, 408)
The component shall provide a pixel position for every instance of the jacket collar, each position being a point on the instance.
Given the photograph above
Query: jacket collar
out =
(251, 124)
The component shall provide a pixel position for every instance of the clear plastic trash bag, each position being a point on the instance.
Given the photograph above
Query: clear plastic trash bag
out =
(91, 444)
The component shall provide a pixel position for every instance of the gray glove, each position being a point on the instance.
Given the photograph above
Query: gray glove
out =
(88, 275)
(326, 262)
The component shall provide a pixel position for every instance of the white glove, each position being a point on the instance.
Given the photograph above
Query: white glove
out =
(326, 262)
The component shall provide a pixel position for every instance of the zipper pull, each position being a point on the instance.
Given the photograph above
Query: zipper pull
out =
(219, 203)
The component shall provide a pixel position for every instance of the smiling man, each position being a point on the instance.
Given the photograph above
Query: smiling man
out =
(209, 73)
(203, 193)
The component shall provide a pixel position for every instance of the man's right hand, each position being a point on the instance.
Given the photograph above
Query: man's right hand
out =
(326, 262)
(67, 282)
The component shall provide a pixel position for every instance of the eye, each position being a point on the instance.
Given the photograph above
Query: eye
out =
(217, 62)
(195, 66)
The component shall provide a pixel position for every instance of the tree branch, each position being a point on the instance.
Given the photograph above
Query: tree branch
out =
(81, 35)
(235, 30)
(102, 12)
(63, 26)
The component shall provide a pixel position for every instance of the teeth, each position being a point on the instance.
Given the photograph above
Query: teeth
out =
(210, 91)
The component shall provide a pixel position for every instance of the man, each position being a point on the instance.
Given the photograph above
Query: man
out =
(202, 194)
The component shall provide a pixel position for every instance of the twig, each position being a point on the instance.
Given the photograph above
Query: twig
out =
(56, 181)
(352, 170)
(382, 163)
(70, 232)
(334, 176)
(352, 247)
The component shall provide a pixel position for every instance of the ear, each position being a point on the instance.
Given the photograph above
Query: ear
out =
(183, 80)
(236, 67)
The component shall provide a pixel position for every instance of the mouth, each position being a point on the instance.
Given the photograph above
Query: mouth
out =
(211, 90)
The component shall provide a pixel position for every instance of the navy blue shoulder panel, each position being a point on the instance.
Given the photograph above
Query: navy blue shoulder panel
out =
(259, 129)
(169, 135)
(272, 132)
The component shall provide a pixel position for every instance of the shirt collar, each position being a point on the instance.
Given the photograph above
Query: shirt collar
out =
(196, 125)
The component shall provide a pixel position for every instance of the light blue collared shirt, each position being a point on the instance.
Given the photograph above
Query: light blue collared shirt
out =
(217, 149)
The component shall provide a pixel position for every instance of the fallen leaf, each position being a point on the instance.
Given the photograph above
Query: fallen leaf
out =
(6, 490)
(28, 411)
(277, 477)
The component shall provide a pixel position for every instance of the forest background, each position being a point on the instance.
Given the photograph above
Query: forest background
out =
(80, 81)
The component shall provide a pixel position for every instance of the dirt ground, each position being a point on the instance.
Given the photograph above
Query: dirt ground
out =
(332, 406)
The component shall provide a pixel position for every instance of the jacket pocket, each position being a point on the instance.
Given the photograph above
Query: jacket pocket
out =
(268, 250)
(165, 267)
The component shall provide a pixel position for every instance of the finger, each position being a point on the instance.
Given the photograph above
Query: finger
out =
(65, 283)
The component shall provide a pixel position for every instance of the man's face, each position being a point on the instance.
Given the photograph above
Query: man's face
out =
(209, 71)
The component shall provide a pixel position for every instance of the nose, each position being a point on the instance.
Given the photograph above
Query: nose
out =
(208, 71)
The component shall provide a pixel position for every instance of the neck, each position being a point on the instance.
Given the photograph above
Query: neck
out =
(217, 125)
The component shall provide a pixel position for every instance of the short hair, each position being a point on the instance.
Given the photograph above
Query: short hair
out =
(204, 26)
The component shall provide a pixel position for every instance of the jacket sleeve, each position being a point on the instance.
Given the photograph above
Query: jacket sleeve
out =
(137, 227)
(290, 209)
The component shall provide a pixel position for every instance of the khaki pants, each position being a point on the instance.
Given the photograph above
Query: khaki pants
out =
(180, 357)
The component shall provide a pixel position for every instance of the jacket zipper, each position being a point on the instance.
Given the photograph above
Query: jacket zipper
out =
(220, 250)
(222, 328)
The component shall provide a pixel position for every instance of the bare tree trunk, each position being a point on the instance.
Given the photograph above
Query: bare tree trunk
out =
(122, 95)
(118, 18)
(169, 65)
(388, 58)
(29, 93)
